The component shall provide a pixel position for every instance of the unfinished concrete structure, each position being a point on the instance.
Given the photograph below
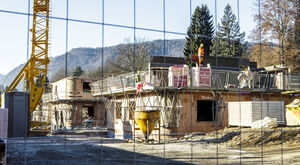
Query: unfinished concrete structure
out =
(189, 101)
(70, 104)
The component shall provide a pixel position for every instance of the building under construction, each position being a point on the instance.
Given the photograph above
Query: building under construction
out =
(69, 104)
(177, 100)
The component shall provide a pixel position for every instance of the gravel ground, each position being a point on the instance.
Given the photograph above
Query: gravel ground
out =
(100, 150)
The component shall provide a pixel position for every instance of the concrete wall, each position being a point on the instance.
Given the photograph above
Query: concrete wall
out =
(62, 88)
(71, 88)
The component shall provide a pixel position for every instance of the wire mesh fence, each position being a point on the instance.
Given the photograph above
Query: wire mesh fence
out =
(239, 104)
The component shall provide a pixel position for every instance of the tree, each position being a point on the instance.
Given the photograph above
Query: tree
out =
(77, 71)
(200, 31)
(47, 85)
(58, 75)
(228, 40)
(276, 25)
(133, 57)
(264, 53)
(291, 51)
(96, 73)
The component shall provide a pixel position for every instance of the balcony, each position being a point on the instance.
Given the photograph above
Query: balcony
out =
(195, 79)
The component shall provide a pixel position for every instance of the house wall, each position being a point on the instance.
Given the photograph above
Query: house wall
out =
(99, 114)
(62, 88)
(78, 88)
(207, 126)
(189, 123)
(70, 115)
(70, 88)
(66, 101)
(123, 128)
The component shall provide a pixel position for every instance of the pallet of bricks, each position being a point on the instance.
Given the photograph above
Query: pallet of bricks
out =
(178, 75)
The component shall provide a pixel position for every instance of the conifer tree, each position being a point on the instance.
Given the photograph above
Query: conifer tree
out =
(228, 40)
(200, 31)
(77, 71)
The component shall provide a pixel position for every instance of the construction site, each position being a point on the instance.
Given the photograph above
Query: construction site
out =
(206, 95)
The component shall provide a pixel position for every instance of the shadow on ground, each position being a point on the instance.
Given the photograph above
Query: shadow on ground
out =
(61, 150)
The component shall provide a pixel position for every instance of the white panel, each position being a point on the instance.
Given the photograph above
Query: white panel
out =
(239, 113)
(246, 112)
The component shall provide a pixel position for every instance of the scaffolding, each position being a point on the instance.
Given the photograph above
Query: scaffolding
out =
(163, 90)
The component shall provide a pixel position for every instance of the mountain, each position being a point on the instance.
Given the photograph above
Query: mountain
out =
(90, 58)
(8, 78)
(1, 86)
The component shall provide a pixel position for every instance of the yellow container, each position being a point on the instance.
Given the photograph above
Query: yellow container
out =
(294, 107)
(146, 121)
(37, 123)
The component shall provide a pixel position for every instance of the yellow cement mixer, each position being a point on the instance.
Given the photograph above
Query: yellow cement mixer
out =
(146, 120)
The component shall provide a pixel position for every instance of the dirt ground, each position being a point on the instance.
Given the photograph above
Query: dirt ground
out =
(247, 137)
(233, 146)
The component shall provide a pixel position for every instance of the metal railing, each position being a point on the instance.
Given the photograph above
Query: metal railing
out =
(196, 79)
(63, 95)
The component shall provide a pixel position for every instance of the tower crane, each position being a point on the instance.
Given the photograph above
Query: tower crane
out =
(34, 72)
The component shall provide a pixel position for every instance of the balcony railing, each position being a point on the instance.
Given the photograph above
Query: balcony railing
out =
(63, 95)
(195, 79)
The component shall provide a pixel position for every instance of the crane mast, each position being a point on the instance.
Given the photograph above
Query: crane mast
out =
(34, 72)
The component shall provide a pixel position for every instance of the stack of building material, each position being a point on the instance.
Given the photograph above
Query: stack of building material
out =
(3, 133)
(246, 112)
(178, 75)
(201, 77)
(3, 122)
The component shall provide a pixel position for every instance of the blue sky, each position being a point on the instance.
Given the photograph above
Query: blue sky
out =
(149, 14)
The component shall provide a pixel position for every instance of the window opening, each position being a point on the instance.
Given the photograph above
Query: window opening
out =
(206, 110)
(86, 87)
